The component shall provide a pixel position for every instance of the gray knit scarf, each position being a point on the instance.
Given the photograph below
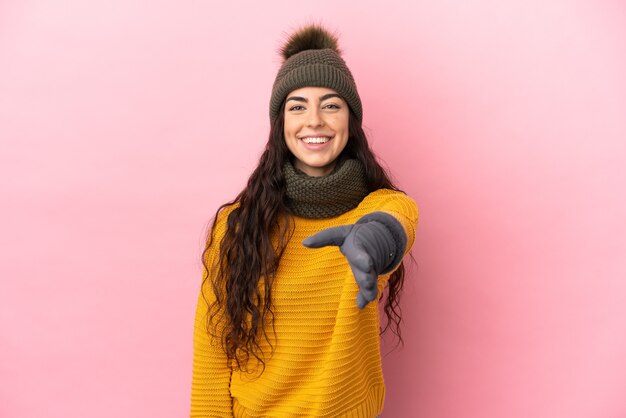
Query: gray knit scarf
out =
(328, 196)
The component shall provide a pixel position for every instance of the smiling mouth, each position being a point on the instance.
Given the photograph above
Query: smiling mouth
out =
(316, 139)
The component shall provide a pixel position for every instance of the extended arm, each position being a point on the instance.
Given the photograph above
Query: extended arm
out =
(374, 245)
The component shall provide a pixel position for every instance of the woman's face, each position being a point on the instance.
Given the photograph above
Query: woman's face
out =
(316, 128)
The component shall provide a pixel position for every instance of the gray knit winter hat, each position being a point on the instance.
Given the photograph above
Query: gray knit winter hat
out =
(311, 58)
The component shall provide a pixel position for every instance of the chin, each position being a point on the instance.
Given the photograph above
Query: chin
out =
(318, 164)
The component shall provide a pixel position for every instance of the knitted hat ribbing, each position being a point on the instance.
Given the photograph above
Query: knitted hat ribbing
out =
(312, 59)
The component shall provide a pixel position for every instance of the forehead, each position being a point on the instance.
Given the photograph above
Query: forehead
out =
(311, 92)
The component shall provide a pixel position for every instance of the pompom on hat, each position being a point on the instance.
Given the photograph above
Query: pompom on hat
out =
(312, 58)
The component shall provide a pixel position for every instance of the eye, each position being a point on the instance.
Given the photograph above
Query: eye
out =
(297, 107)
(332, 106)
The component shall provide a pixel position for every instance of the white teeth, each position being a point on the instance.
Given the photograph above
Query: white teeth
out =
(318, 140)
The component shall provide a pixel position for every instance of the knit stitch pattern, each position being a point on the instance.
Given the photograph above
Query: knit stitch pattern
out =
(327, 359)
(325, 196)
(315, 68)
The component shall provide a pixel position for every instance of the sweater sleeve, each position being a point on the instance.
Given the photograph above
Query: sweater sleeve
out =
(387, 240)
(405, 211)
(210, 391)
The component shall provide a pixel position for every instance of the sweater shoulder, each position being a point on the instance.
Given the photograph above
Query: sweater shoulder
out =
(219, 223)
(391, 201)
(222, 215)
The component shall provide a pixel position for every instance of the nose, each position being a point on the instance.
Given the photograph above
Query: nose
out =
(314, 117)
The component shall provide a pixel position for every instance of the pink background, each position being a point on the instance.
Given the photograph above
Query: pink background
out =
(125, 124)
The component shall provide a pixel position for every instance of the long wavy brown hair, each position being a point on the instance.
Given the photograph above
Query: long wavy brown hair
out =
(249, 255)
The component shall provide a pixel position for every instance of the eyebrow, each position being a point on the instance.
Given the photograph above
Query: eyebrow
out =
(322, 98)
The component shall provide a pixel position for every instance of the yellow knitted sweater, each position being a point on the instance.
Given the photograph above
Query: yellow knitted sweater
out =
(327, 351)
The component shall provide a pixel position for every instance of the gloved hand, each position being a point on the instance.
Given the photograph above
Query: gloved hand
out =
(371, 246)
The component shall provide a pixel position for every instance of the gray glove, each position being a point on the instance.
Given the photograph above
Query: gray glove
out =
(374, 245)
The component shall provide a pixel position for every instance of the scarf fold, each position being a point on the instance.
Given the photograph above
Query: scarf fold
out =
(327, 196)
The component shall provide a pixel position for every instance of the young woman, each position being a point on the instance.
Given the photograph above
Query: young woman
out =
(284, 326)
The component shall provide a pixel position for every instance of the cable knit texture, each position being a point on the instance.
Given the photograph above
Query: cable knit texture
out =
(325, 196)
(327, 359)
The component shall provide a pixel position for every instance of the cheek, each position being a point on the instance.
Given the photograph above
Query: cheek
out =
(290, 130)
(341, 124)
(287, 132)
